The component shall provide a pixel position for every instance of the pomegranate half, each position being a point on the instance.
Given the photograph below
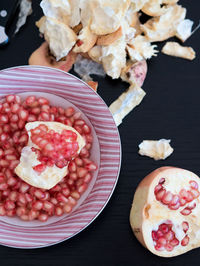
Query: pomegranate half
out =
(165, 214)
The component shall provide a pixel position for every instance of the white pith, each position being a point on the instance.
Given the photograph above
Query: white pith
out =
(51, 175)
(157, 213)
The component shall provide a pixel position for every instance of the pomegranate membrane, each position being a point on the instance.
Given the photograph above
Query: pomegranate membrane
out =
(18, 198)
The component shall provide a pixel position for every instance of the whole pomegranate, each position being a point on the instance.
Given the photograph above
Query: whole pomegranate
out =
(165, 211)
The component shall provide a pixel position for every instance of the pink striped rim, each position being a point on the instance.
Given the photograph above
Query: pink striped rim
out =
(44, 79)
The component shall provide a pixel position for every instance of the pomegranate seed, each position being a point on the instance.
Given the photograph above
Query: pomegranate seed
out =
(186, 211)
(68, 122)
(43, 217)
(169, 247)
(13, 196)
(93, 167)
(185, 226)
(159, 247)
(39, 168)
(58, 211)
(3, 118)
(48, 206)
(46, 195)
(2, 210)
(61, 110)
(21, 199)
(13, 164)
(1, 153)
(24, 187)
(182, 202)
(11, 181)
(37, 205)
(23, 114)
(39, 194)
(81, 172)
(17, 99)
(20, 211)
(75, 195)
(44, 116)
(195, 193)
(61, 197)
(66, 192)
(189, 196)
(3, 186)
(10, 157)
(24, 217)
(73, 176)
(183, 194)
(28, 197)
(32, 215)
(9, 205)
(67, 208)
(8, 173)
(6, 128)
(154, 235)
(11, 213)
(31, 118)
(72, 166)
(43, 101)
(87, 178)
(78, 161)
(72, 201)
(89, 138)
(54, 201)
(164, 228)
(56, 188)
(10, 98)
(21, 124)
(45, 108)
(15, 108)
(185, 240)
(174, 200)
(86, 129)
(30, 101)
(161, 241)
(35, 110)
(69, 111)
(174, 242)
(169, 236)
(160, 194)
(194, 184)
(82, 188)
(6, 193)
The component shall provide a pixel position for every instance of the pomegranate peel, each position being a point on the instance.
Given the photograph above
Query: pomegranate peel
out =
(158, 219)
(41, 174)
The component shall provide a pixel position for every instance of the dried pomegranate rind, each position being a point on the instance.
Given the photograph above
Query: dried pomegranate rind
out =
(156, 149)
(126, 102)
(177, 50)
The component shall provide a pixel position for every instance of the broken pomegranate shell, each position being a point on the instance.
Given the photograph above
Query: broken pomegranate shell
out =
(164, 213)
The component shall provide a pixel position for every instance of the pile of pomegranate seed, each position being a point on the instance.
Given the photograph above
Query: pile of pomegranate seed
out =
(165, 239)
(16, 196)
(174, 201)
(54, 148)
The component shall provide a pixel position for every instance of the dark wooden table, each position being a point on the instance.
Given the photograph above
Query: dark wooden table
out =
(171, 110)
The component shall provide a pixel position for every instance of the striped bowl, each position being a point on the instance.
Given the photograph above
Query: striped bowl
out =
(39, 80)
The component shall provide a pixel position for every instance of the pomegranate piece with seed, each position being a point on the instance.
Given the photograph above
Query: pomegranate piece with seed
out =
(165, 211)
(59, 148)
